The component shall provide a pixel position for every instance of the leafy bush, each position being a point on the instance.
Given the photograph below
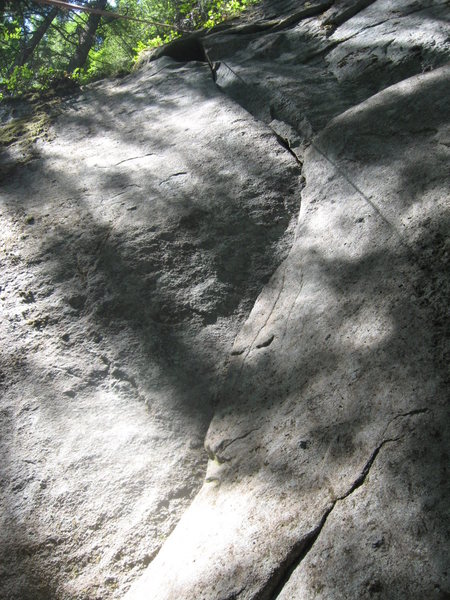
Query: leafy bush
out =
(225, 9)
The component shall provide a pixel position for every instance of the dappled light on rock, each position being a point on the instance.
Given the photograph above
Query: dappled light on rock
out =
(223, 312)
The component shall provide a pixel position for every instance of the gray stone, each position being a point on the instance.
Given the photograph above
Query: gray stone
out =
(335, 371)
(162, 298)
(159, 208)
(302, 74)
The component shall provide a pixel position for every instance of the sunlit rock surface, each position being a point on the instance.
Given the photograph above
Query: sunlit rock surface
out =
(133, 245)
(301, 454)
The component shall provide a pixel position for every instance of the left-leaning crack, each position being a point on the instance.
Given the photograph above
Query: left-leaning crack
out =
(298, 553)
(217, 453)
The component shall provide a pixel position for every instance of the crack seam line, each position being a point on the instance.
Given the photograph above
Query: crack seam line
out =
(280, 291)
(124, 161)
(222, 62)
(255, 337)
(227, 443)
(311, 538)
(284, 142)
(280, 139)
(415, 411)
(343, 174)
(288, 318)
(250, 346)
(359, 32)
(338, 169)
(411, 413)
(367, 199)
(178, 174)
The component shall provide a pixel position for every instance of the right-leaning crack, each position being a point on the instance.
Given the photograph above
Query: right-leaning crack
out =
(280, 577)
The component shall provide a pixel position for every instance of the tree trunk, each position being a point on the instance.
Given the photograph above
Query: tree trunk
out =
(37, 36)
(87, 38)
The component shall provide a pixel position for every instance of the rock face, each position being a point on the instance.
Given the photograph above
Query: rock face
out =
(159, 215)
(134, 244)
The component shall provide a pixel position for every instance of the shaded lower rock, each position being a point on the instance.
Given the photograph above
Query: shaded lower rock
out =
(387, 540)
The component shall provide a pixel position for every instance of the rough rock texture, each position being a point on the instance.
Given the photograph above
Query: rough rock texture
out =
(133, 244)
(337, 369)
(154, 219)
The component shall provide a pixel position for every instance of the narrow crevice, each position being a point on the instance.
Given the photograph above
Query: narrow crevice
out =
(285, 143)
(216, 455)
(235, 595)
(226, 443)
(300, 550)
(363, 475)
(416, 411)
(266, 342)
(238, 352)
(179, 174)
(245, 353)
(292, 561)
(405, 415)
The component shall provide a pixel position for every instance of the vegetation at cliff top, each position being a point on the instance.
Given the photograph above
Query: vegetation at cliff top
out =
(46, 43)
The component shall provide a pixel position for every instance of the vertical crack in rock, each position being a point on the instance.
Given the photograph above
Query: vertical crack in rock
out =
(299, 552)
(285, 143)
(411, 413)
(248, 348)
(235, 595)
(301, 549)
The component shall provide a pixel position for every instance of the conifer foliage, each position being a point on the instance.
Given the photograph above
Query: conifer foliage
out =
(44, 43)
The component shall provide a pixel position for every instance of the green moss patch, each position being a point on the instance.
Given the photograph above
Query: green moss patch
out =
(26, 129)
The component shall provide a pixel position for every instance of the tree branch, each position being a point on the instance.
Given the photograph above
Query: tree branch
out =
(105, 13)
